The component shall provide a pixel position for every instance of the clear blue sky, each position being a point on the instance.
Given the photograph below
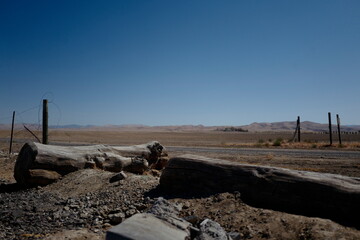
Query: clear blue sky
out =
(180, 62)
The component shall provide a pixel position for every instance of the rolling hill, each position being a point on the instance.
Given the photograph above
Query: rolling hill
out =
(306, 126)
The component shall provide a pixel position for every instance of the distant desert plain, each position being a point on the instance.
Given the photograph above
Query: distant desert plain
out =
(258, 135)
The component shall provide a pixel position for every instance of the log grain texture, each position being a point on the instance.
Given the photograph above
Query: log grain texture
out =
(37, 163)
(309, 193)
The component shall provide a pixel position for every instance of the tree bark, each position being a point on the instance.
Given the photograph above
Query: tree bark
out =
(66, 159)
(308, 193)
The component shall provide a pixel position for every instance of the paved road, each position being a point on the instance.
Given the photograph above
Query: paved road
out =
(299, 153)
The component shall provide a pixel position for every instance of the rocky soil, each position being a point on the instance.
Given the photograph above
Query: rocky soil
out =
(83, 199)
(84, 204)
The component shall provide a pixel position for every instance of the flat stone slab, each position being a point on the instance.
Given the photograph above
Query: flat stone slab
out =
(146, 226)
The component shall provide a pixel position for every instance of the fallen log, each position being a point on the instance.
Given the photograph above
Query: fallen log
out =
(66, 159)
(309, 193)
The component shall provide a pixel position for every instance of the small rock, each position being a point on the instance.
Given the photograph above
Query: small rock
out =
(186, 205)
(164, 208)
(211, 230)
(118, 177)
(107, 225)
(234, 235)
(116, 218)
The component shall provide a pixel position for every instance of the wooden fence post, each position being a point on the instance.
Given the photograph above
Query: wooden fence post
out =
(12, 132)
(298, 127)
(45, 122)
(330, 131)
(338, 126)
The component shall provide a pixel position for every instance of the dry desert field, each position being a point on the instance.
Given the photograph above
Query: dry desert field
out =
(82, 204)
(186, 138)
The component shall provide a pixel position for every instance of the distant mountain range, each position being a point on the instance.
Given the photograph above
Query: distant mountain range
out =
(306, 126)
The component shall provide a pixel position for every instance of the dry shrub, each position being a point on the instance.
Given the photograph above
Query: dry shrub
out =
(278, 142)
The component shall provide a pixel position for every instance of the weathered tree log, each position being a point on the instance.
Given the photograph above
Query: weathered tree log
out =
(310, 193)
(66, 159)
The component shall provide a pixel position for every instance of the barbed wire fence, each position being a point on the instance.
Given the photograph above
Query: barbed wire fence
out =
(26, 129)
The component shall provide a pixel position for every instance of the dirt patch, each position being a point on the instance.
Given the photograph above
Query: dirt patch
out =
(81, 182)
(256, 223)
(82, 234)
(7, 168)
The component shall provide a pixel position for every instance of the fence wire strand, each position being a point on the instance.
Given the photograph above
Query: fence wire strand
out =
(22, 122)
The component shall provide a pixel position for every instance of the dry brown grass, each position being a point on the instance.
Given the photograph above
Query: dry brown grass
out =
(269, 157)
(294, 145)
(193, 139)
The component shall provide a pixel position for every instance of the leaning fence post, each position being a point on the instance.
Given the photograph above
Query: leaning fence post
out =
(330, 131)
(12, 132)
(45, 122)
(338, 126)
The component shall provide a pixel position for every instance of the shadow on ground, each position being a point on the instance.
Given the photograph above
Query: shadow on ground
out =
(349, 221)
(12, 187)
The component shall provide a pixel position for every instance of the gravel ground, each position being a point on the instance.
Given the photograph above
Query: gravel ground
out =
(70, 205)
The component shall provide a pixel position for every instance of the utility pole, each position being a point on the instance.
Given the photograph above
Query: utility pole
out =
(12, 132)
(45, 122)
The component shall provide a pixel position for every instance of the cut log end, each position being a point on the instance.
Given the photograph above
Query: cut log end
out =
(24, 161)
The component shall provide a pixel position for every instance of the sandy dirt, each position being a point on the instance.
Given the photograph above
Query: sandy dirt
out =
(256, 223)
(183, 138)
